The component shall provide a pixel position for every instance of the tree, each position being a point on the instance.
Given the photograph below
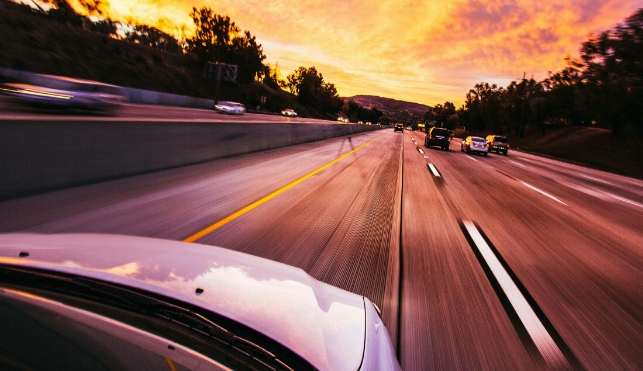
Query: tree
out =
(311, 89)
(355, 112)
(213, 36)
(612, 74)
(272, 77)
(218, 39)
(153, 37)
(64, 10)
(246, 53)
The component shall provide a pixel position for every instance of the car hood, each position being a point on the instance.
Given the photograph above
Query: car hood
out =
(323, 324)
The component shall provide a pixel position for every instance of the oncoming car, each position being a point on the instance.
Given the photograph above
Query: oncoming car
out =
(232, 108)
(475, 145)
(65, 93)
(289, 112)
(105, 302)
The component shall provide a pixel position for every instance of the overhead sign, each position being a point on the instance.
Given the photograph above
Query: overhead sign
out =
(220, 71)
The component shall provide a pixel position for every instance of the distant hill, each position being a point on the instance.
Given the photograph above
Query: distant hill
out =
(397, 110)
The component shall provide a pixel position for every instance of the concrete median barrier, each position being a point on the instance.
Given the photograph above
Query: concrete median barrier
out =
(39, 156)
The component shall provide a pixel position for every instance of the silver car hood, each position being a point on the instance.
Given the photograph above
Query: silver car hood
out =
(323, 324)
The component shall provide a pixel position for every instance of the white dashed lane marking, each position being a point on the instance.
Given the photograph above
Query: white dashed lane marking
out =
(543, 193)
(537, 331)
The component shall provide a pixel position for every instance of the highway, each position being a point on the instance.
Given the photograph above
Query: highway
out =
(511, 262)
(141, 112)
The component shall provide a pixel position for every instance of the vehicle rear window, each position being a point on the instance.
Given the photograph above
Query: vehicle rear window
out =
(476, 139)
(500, 139)
(440, 132)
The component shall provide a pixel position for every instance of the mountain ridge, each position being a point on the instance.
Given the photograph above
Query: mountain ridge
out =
(396, 110)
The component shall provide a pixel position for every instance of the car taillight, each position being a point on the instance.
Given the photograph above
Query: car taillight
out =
(487, 145)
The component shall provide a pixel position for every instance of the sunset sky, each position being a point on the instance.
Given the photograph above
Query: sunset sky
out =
(421, 51)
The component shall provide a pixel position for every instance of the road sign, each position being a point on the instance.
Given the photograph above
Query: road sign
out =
(220, 71)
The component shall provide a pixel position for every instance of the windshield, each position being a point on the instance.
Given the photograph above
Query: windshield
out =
(61, 338)
(107, 316)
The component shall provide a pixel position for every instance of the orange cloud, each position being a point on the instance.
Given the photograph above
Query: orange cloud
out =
(421, 51)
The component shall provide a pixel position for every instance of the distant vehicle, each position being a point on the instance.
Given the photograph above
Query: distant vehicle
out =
(409, 127)
(63, 93)
(137, 303)
(342, 119)
(289, 112)
(474, 144)
(360, 123)
(498, 143)
(440, 137)
(368, 123)
(399, 127)
(232, 108)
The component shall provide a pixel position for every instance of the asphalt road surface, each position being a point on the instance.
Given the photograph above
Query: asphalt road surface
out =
(479, 263)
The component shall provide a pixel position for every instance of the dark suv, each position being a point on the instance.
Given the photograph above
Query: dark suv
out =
(498, 143)
(438, 137)
(399, 127)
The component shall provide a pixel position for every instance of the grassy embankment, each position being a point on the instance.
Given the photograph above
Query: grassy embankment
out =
(593, 147)
(33, 42)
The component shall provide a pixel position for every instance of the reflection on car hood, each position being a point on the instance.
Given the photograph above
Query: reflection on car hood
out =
(323, 324)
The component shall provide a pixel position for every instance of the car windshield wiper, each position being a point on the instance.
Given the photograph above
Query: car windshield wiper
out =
(145, 304)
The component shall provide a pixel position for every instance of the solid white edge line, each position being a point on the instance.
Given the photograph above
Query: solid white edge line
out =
(544, 193)
(471, 158)
(596, 179)
(434, 170)
(625, 200)
(516, 163)
(543, 340)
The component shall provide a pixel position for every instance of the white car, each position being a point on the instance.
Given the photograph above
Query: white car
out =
(289, 112)
(474, 144)
(131, 303)
(232, 108)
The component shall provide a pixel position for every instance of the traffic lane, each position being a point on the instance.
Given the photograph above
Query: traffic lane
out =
(339, 225)
(619, 185)
(618, 207)
(451, 318)
(618, 199)
(612, 184)
(144, 112)
(579, 267)
(174, 203)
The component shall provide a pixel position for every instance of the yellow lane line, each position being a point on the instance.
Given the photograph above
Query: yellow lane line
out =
(170, 363)
(274, 194)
